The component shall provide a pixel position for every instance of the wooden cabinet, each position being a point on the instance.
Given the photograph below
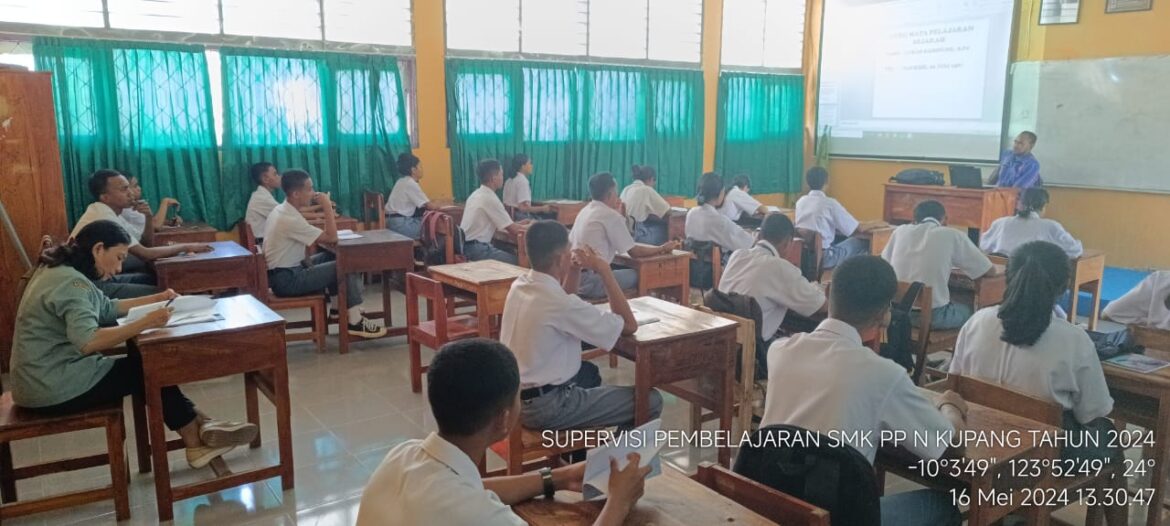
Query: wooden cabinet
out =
(30, 182)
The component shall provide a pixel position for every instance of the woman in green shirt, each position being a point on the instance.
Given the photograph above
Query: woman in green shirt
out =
(64, 322)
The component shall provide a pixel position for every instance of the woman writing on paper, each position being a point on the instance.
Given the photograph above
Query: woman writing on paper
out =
(64, 322)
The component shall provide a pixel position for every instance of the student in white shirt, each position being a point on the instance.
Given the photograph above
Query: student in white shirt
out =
(824, 215)
(775, 283)
(407, 202)
(1147, 304)
(739, 200)
(518, 191)
(599, 225)
(1008, 233)
(646, 207)
(827, 381)
(473, 387)
(544, 324)
(286, 236)
(112, 195)
(926, 251)
(261, 203)
(137, 219)
(484, 214)
(706, 223)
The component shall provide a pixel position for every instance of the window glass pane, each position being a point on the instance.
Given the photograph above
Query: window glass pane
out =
(676, 30)
(187, 16)
(673, 108)
(548, 98)
(299, 19)
(483, 103)
(483, 25)
(617, 106)
(743, 33)
(784, 39)
(763, 33)
(19, 59)
(77, 13)
(215, 80)
(283, 106)
(554, 26)
(384, 22)
(744, 110)
(356, 110)
(617, 28)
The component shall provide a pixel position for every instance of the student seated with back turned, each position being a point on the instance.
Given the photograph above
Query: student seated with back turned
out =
(136, 215)
(926, 251)
(828, 381)
(775, 283)
(286, 236)
(646, 207)
(544, 324)
(1009, 233)
(518, 191)
(600, 226)
(64, 322)
(473, 387)
(706, 223)
(407, 202)
(112, 194)
(824, 215)
(1147, 304)
(262, 202)
(739, 200)
(484, 214)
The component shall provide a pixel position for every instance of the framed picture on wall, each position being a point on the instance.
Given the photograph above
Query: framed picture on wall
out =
(1126, 6)
(1059, 12)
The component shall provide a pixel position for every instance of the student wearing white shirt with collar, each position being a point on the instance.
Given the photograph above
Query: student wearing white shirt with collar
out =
(137, 219)
(407, 202)
(1146, 304)
(484, 214)
(828, 381)
(1008, 233)
(926, 251)
(544, 324)
(706, 223)
(646, 207)
(600, 226)
(261, 203)
(824, 215)
(473, 388)
(518, 191)
(739, 200)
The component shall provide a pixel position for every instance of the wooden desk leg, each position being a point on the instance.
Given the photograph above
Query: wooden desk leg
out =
(141, 432)
(641, 391)
(727, 404)
(1095, 310)
(119, 471)
(283, 422)
(1072, 305)
(387, 302)
(252, 406)
(1158, 476)
(342, 312)
(158, 450)
(481, 313)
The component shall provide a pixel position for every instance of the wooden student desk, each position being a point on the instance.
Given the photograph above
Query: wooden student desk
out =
(188, 233)
(669, 499)
(342, 222)
(671, 272)
(1144, 399)
(1087, 273)
(565, 210)
(381, 251)
(878, 238)
(514, 242)
(983, 292)
(222, 268)
(249, 340)
(489, 280)
(966, 207)
(676, 223)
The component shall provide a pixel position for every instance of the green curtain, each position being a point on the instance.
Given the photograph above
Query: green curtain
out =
(574, 120)
(143, 109)
(759, 130)
(342, 118)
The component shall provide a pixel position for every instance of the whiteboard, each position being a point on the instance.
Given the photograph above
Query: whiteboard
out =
(1102, 123)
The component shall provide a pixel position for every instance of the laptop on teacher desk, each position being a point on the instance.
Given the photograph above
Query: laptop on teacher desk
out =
(966, 176)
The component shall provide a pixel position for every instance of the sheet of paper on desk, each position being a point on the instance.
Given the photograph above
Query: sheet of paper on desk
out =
(347, 234)
(771, 208)
(641, 441)
(1138, 362)
(184, 310)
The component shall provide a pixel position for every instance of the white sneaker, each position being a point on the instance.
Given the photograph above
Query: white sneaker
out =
(366, 328)
(199, 457)
(214, 433)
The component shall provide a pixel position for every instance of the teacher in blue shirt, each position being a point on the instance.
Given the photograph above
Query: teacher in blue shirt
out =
(1018, 168)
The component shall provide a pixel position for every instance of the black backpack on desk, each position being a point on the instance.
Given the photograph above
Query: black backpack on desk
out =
(919, 176)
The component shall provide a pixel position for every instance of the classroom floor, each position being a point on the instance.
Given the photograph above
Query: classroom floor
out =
(347, 412)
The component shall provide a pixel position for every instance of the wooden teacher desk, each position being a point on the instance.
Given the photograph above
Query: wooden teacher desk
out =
(489, 280)
(381, 251)
(966, 207)
(225, 267)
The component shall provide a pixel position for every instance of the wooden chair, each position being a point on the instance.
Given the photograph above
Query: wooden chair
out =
(712, 255)
(774, 505)
(744, 390)
(318, 323)
(441, 327)
(525, 450)
(373, 210)
(247, 237)
(812, 254)
(921, 339)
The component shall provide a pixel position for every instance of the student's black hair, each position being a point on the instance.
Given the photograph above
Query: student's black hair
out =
(1030, 135)
(862, 290)
(293, 180)
(710, 186)
(644, 173)
(544, 240)
(929, 209)
(469, 382)
(816, 177)
(741, 181)
(776, 228)
(600, 184)
(256, 171)
(1037, 273)
(486, 169)
(100, 180)
(78, 251)
(406, 162)
(518, 162)
(1032, 200)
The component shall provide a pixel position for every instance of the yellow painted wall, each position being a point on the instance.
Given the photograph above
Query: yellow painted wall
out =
(430, 48)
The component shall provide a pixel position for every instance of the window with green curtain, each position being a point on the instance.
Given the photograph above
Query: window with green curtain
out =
(574, 120)
(340, 117)
(143, 109)
(759, 130)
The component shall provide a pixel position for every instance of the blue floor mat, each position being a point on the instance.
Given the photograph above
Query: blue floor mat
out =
(1116, 282)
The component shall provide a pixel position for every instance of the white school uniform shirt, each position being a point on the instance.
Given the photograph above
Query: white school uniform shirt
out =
(136, 220)
(738, 202)
(406, 197)
(827, 381)
(97, 211)
(825, 215)
(1144, 304)
(643, 201)
(705, 223)
(483, 215)
(927, 252)
(517, 190)
(544, 326)
(431, 481)
(774, 282)
(602, 228)
(1008, 233)
(260, 206)
(286, 236)
(1062, 366)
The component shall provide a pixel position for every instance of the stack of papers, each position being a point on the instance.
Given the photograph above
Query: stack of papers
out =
(347, 234)
(185, 310)
(1138, 362)
(596, 484)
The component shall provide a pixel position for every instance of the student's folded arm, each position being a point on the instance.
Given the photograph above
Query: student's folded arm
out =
(146, 253)
(642, 251)
(513, 228)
